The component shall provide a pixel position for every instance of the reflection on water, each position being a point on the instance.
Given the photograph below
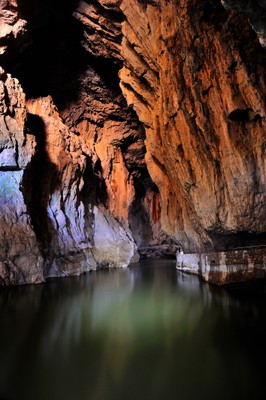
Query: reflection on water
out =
(148, 332)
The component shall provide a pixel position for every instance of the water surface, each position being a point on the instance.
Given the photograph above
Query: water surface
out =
(148, 332)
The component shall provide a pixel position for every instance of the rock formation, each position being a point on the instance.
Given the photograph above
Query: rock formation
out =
(125, 125)
(21, 260)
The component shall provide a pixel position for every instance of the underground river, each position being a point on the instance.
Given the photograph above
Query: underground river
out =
(147, 332)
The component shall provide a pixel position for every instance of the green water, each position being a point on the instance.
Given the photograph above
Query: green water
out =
(148, 332)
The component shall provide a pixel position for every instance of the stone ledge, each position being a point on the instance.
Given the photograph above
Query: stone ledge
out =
(225, 267)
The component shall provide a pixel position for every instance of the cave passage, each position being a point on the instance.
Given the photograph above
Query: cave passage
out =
(128, 130)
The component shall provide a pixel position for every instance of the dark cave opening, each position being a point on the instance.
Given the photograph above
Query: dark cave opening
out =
(139, 219)
(53, 59)
(242, 239)
(145, 222)
(241, 115)
(94, 190)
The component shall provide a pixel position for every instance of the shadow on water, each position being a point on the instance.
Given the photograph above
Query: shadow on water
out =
(147, 332)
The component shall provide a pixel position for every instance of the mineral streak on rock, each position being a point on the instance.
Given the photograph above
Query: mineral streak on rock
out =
(144, 125)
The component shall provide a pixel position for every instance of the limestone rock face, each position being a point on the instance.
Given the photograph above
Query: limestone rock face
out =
(45, 202)
(113, 245)
(102, 27)
(125, 125)
(52, 197)
(69, 227)
(17, 264)
(189, 73)
(12, 27)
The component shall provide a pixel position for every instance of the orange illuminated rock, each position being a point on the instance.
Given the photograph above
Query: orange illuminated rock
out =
(190, 75)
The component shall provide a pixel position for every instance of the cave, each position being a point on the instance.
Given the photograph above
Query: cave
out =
(132, 199)
(121, 141)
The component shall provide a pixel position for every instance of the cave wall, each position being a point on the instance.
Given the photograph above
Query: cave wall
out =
(128, 124)
(79, 149)
(21, 259)
(191, 77)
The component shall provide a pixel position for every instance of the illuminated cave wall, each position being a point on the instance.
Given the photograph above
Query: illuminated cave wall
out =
(125, 126)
